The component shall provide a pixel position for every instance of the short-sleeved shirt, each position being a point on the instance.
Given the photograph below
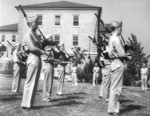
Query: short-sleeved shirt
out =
(116, 48)
(144, 71)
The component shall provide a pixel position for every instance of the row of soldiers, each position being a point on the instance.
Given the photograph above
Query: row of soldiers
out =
(112, 71)
(34, 64)
(112, 60)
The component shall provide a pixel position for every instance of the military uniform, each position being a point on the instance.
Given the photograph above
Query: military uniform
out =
(116, 54)
(74, 76)
(48, 70)
(61, 74)
(106, 79)
(33, 67)
(17, 67)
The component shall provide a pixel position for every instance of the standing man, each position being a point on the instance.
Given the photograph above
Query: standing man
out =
(18, 65)
(48, 70)
(34, 45)
(117, 55)
(74, 75)
(144, 76)
(96, 71)
(61, 72)
(106, 76)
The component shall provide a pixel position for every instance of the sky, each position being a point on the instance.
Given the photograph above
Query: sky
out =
(135, 15)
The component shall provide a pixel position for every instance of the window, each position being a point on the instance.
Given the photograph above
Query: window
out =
(13, 38)
(3, 38)
(75, 40)
(57, 20)
(76, 20)
(57, 39)
(39, 19)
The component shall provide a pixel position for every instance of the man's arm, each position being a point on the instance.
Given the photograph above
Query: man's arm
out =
(30, 45)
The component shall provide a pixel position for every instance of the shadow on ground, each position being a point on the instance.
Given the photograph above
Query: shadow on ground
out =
(131, 107)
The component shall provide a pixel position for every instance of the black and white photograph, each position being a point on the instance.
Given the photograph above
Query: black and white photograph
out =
(74, 58)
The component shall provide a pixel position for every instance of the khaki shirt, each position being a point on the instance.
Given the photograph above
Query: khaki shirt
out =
(116, 47)
(33, 43)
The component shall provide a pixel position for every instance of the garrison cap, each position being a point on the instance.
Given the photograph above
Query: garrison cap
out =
(32, 19)
(116, 24)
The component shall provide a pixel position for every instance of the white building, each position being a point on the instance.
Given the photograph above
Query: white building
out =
(69, 23)
(9, 33)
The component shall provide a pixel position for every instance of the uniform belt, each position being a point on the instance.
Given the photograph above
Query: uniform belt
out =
(120, 58)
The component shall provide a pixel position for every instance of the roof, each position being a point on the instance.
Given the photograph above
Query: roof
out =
(59, 5)
(11, 27)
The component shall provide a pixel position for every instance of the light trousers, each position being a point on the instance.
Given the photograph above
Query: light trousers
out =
(74, 79)
(61, 77)
(106, 81)
(117, 70)
(144, 82)
(95, 78)
(16, 77)
(32, 78)
(48, 81)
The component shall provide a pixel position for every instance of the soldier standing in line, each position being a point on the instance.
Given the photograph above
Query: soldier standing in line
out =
(18, 65)
(48, 70)
(106, 77)
(74, 74)
(117, 55)
(34, 45)
(61, 72)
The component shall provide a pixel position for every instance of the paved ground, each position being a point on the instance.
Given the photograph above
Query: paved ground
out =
(76, 101)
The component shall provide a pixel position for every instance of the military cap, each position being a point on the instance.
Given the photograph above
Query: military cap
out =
(32, 19)
(116, 24)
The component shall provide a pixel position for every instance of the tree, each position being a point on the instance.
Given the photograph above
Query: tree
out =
(132, 73)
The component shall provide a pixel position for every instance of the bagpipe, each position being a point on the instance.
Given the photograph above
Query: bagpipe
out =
(59, 57)
(101, 45)
(22, 54)
(2, 47)
(126, 46)
(45, 42)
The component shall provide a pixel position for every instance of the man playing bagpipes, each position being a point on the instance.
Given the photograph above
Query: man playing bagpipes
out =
(34, 45)
(48, 70)
(64, 60)
(17, 68)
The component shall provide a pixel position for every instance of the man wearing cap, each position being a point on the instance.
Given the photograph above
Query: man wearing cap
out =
(48, 70)
(61, 72)
(33, 43)
(106, 76)
(117, 55)
(17, 67)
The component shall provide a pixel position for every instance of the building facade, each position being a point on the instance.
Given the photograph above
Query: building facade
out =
(9, 33)
(68, 23)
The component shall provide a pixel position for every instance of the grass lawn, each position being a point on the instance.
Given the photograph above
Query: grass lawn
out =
(76, 101)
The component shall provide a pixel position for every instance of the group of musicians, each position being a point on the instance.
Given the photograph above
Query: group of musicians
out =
(112, 70)
(33, 43)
